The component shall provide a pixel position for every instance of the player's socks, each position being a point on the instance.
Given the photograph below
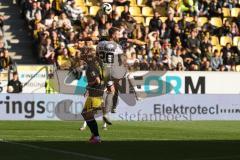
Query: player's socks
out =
(83, 126)
(104, 125)
(90, 125)
(106, 120)
(95, 128)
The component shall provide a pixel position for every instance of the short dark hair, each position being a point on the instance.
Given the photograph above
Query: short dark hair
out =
(112, 31)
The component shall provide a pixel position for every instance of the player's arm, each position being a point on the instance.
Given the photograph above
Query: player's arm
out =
(136, 41)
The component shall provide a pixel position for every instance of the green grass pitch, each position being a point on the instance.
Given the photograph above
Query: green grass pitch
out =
(183, 140)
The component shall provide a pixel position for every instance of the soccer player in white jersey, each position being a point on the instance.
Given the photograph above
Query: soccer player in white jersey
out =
(112, 56)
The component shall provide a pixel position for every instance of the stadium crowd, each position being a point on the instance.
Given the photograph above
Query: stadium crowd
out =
(5, 59)
(176, 34)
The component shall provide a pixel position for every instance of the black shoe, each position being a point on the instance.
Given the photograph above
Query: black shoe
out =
(106, 120)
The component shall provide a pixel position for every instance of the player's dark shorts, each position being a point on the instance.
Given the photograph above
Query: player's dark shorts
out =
(93, 103)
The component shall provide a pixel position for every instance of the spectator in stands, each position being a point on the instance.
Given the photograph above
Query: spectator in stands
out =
(166, 49)
(225, 30)
(157, 3)
(208, 53)
(14, 85)
(155, 23)
(31, 12)
(175, 59)
(183, 24)
(48, 20)
(165, 62)
(194, 67)
(205, 43)
(228, 55)
(152, 37)
(2, 45)
(215, 9)
(233, 68)
(170, 22)
(193, 41)
(125, 13)
(202, 8)
(46, 9)
(187, 59)
(138, 32)
(155, 50)
(216, 60)
(176, 35)
(234, 30)
(231, 4)
(164, 32)
(187, 6)
(63, 60)
(121, 2)
(2, 61)
(6, 60)
(179, 67)
(48, 50)
(1, 25)
(64, 21)
(174, 8)
(154, 65)
(222, 68)
(57, 23)
(130, 54)
(205, 64)
(144, 65)
(73, 12)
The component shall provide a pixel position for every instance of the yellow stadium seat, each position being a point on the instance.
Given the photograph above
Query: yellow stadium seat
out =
(135, 11)
(147, 11)
(236, 40)
(238, 68)
(219, 48)
(93, 10)
(226, 12)
(189, 19)
(163, 19)
(176, 19)
(224, 40)
(139, 19)
(235, 12)
(80, 2)
(216, 21)
(214, 40)
(141, 3)
(84, 9)
(119, 9)
(202, 20)
(133, 3)
(147, 21)
(92, 3)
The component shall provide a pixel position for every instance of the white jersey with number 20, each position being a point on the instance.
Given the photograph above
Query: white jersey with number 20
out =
(110, 53)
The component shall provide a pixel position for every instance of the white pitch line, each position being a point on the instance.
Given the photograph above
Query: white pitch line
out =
(215, 158)
(55, 150)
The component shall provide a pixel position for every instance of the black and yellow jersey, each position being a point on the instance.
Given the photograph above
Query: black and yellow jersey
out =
(92, 72)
